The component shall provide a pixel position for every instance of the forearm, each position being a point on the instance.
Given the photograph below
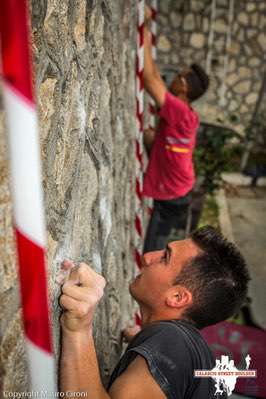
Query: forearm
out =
(79, 370)
(149, 65)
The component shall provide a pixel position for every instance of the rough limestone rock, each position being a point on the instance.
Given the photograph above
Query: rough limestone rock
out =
(84, 62)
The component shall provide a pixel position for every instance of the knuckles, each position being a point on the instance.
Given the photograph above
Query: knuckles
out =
(87, 297)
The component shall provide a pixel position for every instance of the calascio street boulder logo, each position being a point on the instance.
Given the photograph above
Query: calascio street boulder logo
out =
(225, 374)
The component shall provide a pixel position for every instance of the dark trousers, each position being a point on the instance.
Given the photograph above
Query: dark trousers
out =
(166, 216)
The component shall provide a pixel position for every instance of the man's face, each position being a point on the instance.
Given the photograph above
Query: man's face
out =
(179, 83)
(159, 272)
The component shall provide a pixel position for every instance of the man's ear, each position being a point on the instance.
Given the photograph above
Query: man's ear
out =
(184, 86)
(179, 297)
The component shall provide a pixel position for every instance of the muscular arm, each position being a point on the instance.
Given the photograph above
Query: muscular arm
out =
(153, 82)
(80, 373)
(79, 369)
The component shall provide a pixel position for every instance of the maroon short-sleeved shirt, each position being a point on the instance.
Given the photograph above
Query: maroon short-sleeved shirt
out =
(170, 172)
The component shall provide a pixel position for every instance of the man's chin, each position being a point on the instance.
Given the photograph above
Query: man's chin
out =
(132, 289)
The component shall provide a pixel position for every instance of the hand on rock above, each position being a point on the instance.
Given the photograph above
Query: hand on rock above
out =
(80, 295)
(130, 332)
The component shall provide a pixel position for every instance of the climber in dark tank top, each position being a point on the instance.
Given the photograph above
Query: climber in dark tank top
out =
(189, 285)
(172, 350)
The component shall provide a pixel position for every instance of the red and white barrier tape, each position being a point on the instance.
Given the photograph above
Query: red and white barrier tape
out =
(139, 137)
(26, 191)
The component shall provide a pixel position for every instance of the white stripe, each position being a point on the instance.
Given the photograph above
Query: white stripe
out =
(138, 94)
(154, 4)
(152, 121)
(153, 28)
(139, 137)
(42, 369)
(25, 167)
(141, 58)
(141, 102)
(141, 13)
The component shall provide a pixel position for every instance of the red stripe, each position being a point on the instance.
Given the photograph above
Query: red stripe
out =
(140, 73)
(141, 80)
(152, 109)
(15, 46)
(140, 118)
(138, 189)
(139, 154)
(153, 13)
(138, 258)
(34, 292)
(141, 34)
(138, 319)
(150, 210)
(138, 225)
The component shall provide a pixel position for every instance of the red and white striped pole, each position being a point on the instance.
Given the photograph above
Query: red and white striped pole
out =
(26, 191)
(152, 109)
(139, 136)
(151, 104)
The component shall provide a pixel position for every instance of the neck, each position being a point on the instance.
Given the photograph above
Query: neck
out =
(150, 315)
(183, 97)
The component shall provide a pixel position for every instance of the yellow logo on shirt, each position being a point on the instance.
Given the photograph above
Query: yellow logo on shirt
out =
(173, 148)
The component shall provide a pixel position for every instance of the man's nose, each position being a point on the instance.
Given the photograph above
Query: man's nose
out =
(152, 257)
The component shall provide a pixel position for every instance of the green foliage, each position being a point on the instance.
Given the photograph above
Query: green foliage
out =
(213, 155)
(209, 213)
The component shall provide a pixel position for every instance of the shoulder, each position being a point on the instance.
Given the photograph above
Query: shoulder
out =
(173, 109)
(172, 100)
(125, 385)
(164, 343)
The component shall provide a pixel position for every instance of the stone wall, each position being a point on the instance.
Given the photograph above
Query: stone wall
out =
(84, 60)
(236, 52)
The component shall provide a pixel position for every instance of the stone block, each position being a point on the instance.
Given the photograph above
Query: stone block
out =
(165, 6)
(189, 22)
(220, 26)
(254, 62)
(175, 20)
(243, 18)
(251, 7)
(232, 79)
(163, 44)
(234, 49)
(254, 19)
(242, 87)
(244, 72)
(232, 65)
(233, 106)
(251, 33)
(197, 40)
(251, 98)
(262, 41)
(197, 6)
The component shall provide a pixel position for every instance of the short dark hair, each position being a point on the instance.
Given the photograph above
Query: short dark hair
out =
(198, 82)
(217, 278)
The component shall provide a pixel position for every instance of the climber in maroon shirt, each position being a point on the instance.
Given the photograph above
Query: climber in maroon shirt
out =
(170, 176)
